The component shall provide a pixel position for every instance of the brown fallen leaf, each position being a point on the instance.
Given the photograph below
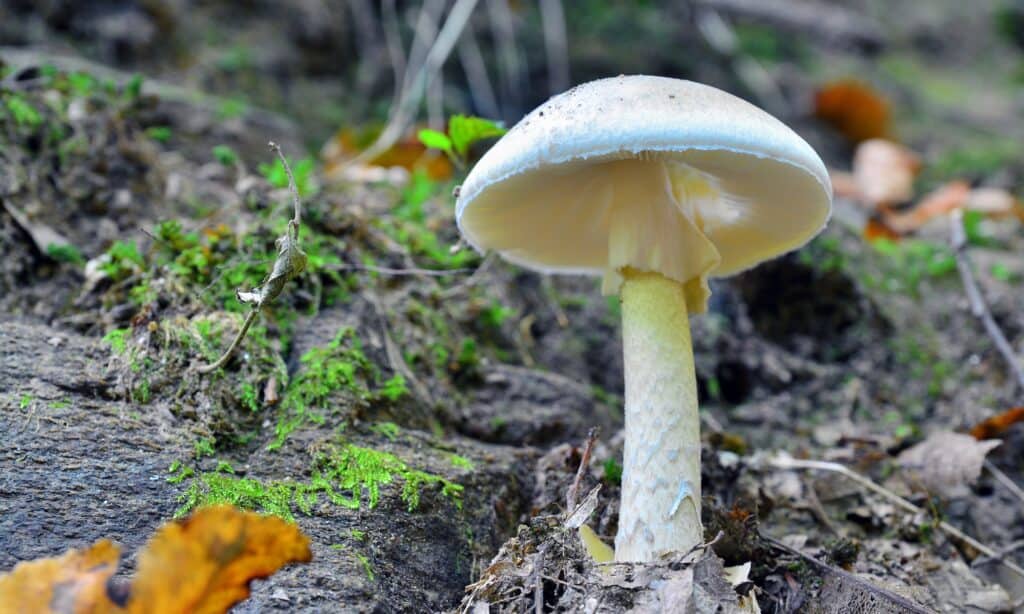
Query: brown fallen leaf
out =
(939, 202)
(946, 463)
(997, 425)
(853, 108)
(994, 202)
(201, 564)
(408, 153)
(75, 582)
(884, 172)
(204, 563)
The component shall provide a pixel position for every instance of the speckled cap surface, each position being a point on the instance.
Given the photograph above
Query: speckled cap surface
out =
(761, 190)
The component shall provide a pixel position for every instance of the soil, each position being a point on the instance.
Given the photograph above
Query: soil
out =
(842, 351)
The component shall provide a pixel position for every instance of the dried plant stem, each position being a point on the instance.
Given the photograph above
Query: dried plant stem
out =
(290, 262)
(980, 310)
(226, 356)
(788, 462)
(588, 448)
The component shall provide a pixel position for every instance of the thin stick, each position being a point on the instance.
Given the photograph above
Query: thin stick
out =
(1005, 550)
(588, 448)
(226, 356)
(787, 462)
(556, 45)
(406, 107)
(979, 308)
(290, 262)
(890, 596)
(476, 74)
(291, 185)
(1005, 480)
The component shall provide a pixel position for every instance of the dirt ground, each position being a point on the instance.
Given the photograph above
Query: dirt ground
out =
(447, 414)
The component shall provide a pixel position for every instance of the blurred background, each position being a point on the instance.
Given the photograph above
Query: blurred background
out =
(346, 64)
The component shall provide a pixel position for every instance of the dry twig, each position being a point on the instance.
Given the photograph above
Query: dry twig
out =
(290, 262)
(980, 310)
(588, 448)
(788, 462)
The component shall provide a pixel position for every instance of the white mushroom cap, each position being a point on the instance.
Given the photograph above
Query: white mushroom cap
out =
(647, 172)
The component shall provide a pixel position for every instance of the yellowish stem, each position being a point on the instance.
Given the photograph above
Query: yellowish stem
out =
(660, 508)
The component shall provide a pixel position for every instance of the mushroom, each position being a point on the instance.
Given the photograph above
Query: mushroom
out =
(654, 184)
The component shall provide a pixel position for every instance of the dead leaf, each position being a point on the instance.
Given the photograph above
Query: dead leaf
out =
(853, 108)
(997, 425)
(939, 202)
(946, 462)
(204, 563)
(883, 172)
(201, 564)
(993, 202)
(408, 154)
(75, 582)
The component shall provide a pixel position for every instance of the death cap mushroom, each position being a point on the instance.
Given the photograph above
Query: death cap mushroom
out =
(652, 173)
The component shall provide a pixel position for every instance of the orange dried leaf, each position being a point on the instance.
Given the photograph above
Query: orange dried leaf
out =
(875, 229)
(940, 201)
(854, 109)
(75, 582)
(204, 563)
(884, 172)
(409, 153)
(996, 426)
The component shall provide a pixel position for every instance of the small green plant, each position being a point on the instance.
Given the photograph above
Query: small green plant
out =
(179, 472)
(461, 462)
(204, 447)
(612, 472)
(1002, 272)
(122, 260)
(463, 132)
(160, 134)
(227, 156)
(117, 339)
(341, 365)
(388, 430)
(249, 399)
(65, 253)
(23, 113)
(495, 314)
(394, 388)
(232, 108)
(25, 402)
(907, 263)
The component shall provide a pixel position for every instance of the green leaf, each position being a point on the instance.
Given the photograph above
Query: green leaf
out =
(465, 130)
(435, 140)
(225, 155)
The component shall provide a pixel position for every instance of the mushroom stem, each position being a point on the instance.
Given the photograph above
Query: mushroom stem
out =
(660, 507)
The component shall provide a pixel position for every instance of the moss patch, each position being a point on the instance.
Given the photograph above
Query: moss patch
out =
(349, 476)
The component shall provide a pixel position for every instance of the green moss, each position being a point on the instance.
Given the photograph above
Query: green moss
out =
(359, 473)
(612, 472)
(204, 447)
(350, 476)
(117, 339)
(214, 488)
(461, 462)
(22, 112)
(341, 365)
(394, 388)
(386, 429)
(65, 253)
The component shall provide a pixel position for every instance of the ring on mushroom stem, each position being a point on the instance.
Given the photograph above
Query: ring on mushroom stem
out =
(655, 184)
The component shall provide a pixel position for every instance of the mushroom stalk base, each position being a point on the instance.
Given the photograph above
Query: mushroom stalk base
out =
(660, 508)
